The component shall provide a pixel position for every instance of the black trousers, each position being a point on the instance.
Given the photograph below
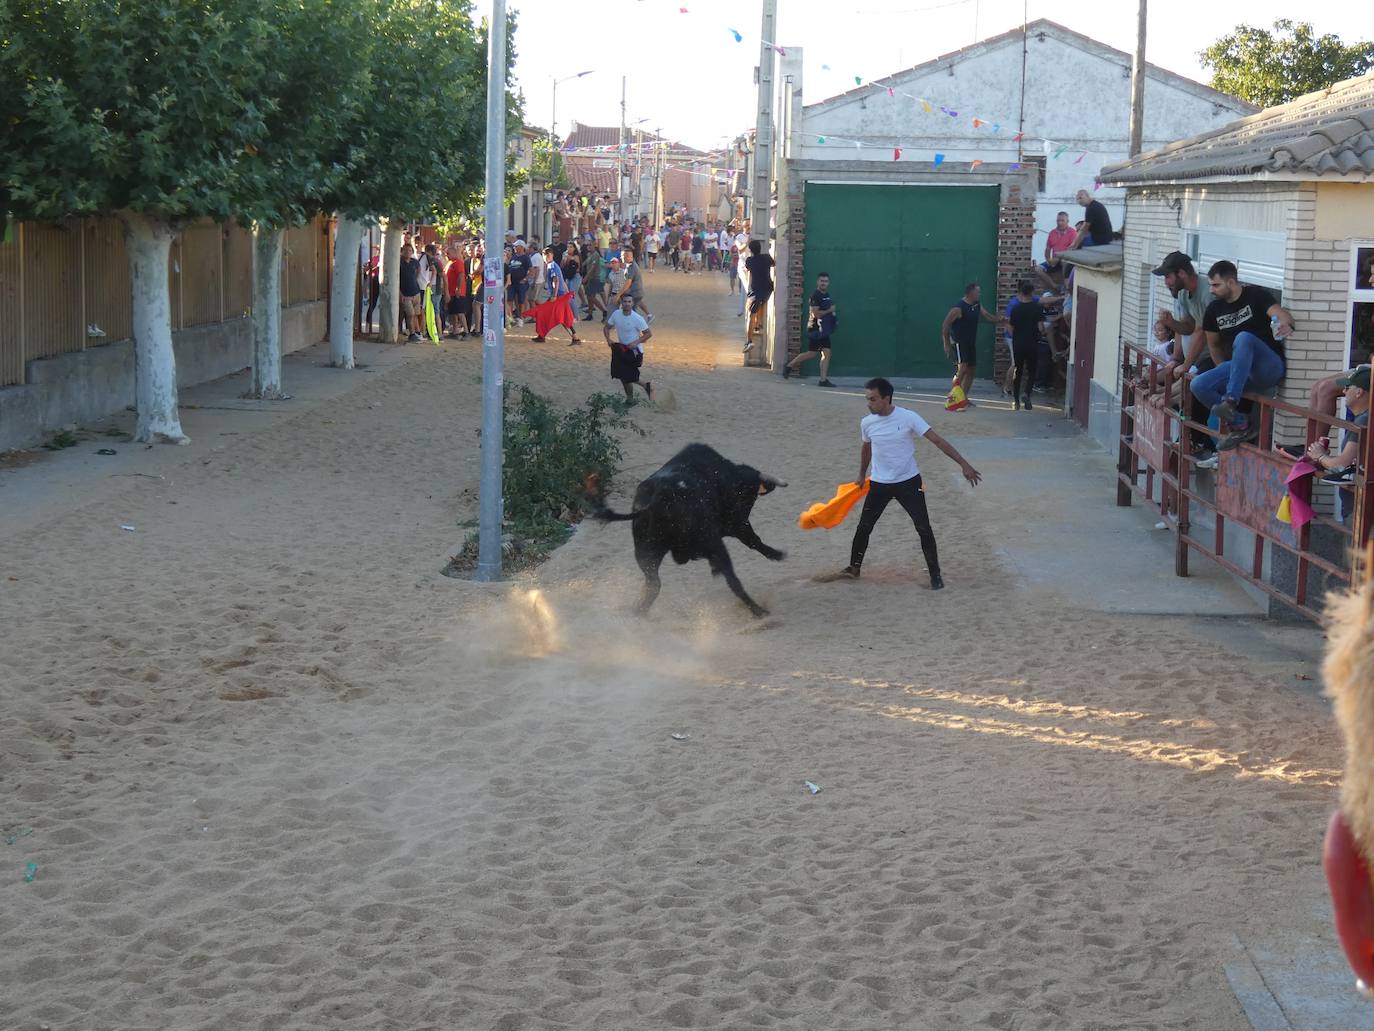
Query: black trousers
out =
(1024, 355)
(907, 494)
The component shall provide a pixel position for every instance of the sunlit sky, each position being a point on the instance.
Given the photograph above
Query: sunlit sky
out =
(686, 74)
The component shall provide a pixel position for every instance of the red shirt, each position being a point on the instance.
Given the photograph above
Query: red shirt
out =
(1061, 239)
(457, 281)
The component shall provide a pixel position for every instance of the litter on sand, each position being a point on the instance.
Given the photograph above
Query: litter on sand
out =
(30, 872)
(10, 839)
(107, 451)
(815, 789)
(127, 526)
(681, 737)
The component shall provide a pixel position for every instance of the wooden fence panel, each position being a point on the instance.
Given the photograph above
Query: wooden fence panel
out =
(238, 272)
(109, 303)
(300, 259)
(52, 290)
(201, 294)
(12, 308)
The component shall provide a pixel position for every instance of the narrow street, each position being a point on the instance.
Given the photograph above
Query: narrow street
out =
(280, 772)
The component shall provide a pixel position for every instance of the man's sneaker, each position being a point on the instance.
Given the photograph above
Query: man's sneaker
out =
(748, 347)
(1029, 406)
(1161, 525)
(1209, 461)
(786, 369)
(1241, 436)
(413, 338)
(937, 582)
(1225, 410)
(825, 383)
(1346, 475)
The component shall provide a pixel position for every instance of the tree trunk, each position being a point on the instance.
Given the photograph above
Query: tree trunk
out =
(148, 243)
(267, 247)
(389, 296)
(343, 297)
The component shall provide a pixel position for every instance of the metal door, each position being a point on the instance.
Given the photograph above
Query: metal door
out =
(899, 258)
(1084, 346)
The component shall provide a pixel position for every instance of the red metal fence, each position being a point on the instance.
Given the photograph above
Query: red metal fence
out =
(1156, 447)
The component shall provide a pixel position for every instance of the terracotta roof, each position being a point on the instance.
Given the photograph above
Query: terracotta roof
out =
(1327, 133)
(1041, 26)
(609, 136)
(585, 176)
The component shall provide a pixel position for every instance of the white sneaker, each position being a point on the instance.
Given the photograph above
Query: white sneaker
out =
(94, 331)
(1161, 525)
(1210, 462)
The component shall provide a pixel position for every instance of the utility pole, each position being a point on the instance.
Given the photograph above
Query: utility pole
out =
(490, 507)
(658, 174)
(762, 192)
(620, 156)
(1138, 85)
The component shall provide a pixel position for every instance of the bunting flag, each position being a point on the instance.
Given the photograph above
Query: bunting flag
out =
(1052, 149)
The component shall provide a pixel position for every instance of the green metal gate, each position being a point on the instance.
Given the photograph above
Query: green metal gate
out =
(899, 258)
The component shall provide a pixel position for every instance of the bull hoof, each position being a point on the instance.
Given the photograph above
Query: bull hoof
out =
(775, 554)
(759, 611)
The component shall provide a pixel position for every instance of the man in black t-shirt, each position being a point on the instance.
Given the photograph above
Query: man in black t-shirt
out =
(1025, 317)
(818, 329)
(517, 285)
(1099, 231)
(1240, 316)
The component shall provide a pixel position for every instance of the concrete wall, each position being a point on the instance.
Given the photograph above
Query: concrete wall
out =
(86, 386)
(1073, 95)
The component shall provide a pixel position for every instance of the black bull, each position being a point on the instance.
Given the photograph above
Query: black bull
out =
(687, 508)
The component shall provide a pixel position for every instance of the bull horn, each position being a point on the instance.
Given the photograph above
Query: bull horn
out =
(772, 481)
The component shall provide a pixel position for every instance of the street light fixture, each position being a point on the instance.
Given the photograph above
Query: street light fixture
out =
(553, 115)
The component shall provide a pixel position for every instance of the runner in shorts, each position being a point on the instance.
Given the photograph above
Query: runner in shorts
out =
(819, 328)
(627, 350)
(960, 332)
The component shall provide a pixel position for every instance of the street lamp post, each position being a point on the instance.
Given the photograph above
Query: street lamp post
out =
(553, 115)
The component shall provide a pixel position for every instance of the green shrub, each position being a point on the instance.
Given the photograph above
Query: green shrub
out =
(550, 455)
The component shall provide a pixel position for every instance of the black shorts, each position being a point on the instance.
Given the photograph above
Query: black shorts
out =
(966, 354)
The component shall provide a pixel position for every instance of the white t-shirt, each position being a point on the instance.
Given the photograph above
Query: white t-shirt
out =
(725, 239)
(742, 242)
(893, 437)
(628, 328)
(537, 266)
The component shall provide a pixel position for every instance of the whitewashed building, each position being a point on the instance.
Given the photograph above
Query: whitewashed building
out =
(952, 171)
(1065, 93)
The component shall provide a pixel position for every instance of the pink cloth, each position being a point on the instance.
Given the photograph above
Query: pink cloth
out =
(1061, 240)
(1300, 492)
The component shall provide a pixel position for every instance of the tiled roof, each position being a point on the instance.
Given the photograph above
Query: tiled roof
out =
(585, 176)
(1327, 133)
(609, 136)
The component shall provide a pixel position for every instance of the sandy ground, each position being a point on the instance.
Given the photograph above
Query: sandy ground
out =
(280, 773)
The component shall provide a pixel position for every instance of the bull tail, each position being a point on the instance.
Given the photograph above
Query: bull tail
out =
(605, 515)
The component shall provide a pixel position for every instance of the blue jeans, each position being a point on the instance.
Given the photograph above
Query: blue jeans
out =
(1253, 366)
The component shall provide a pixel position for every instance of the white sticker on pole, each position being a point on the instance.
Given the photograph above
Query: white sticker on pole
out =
(489, 336)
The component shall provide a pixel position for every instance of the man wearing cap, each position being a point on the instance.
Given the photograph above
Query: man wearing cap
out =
(1339, 466)
(1180, 327)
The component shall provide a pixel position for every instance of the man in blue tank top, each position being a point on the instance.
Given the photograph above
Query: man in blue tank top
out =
(960, 332)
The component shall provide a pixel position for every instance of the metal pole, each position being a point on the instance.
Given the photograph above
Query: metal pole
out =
(762, 191)
(490, 506)
(620, 158)
(1138, 85)
(553, 115)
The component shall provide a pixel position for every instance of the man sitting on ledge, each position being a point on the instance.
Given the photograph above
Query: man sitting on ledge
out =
(1239, 316)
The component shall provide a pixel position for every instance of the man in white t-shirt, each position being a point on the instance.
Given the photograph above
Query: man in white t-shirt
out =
(536, 276)
(889, 435)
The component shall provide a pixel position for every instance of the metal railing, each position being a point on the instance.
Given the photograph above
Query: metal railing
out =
(1156, 444)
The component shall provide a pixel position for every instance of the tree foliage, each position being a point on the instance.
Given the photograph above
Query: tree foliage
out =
(548, 164)
(1273, 67)
(320, 79)
(126, 104)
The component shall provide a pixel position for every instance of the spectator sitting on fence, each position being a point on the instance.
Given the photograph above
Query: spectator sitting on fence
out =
(1339, 466)
(1240, 316)
(1097, 221)
(1179, 328)
(1050, 272)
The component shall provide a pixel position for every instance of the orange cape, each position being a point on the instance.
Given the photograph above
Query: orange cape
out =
(830, 514)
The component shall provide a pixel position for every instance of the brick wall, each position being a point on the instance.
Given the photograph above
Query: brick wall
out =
(796, 261)
(1015, 232)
